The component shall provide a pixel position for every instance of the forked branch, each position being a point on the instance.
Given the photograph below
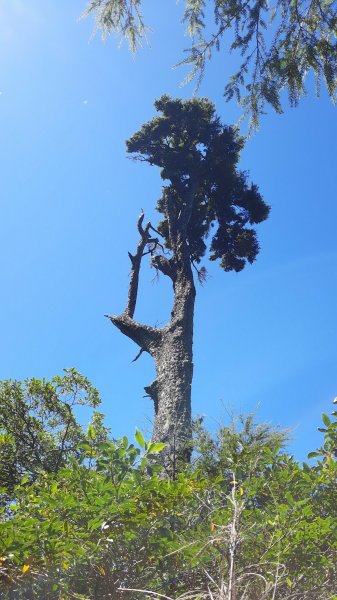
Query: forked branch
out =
(136, 260)
(146, 337)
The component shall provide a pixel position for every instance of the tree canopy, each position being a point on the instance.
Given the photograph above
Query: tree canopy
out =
(199, 155)
(278, 44)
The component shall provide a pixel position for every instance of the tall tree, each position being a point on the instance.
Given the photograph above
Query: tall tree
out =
(204, 192)
(278, 43)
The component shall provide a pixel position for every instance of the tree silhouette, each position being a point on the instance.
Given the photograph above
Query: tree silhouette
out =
(206, 204)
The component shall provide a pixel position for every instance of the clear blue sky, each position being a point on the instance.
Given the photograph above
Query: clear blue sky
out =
(70, 199)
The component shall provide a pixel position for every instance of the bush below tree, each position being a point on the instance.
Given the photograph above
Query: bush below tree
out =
(243, 521)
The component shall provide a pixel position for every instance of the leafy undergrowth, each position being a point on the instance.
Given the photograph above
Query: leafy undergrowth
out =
(96, 518)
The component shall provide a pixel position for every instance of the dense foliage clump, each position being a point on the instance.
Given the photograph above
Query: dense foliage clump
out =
(38, 428)
(244, 520)
(198, 156)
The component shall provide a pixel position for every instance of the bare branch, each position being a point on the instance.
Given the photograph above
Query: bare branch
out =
(155, 230)
(140, 223)
(136, 260)
(146, 337)
(138, 355)
(164, 265)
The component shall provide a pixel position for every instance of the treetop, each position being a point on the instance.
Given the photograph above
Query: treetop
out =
(198, 155)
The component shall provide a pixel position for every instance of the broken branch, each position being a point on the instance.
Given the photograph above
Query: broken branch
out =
(136, 260)
(146, 337)
(138, 355)
(164, 265)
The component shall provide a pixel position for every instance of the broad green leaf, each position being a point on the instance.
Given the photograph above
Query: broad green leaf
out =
(140, 438)
(91, 432)
(156, 447)
(137, 477)
(326, 420)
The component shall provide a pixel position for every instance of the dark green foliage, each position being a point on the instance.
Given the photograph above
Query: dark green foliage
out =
(277, 43)
(192, 148)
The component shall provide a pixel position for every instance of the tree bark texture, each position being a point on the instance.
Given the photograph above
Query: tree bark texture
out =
(170, 346)
(171, 390)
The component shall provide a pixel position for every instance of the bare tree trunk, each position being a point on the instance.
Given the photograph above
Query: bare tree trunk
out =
(170, 346)
(171, 390)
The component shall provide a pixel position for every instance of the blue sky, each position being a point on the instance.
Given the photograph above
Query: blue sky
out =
(69, 202)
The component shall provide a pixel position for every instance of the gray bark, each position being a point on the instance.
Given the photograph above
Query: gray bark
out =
(170, 346)
(171, 349)
(171, 390)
